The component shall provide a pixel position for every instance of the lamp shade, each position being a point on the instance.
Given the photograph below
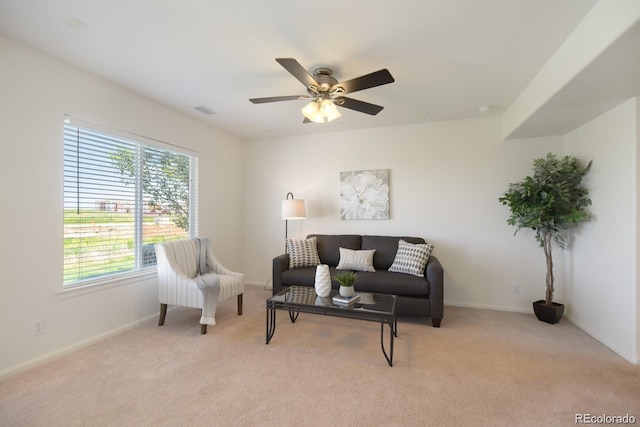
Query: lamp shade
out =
(329, 110)
(321, 110)
(293, 209)
(312, 112)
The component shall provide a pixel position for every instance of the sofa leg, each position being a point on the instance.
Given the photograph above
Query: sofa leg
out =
(163, 314)
(203, 329)
(436, 322)
(240, 305)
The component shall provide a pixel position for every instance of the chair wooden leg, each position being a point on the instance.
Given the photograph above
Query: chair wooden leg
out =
(203, 329)
(240, 305)
(163, 314)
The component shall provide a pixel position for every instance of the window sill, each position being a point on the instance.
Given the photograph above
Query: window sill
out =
(106, 283)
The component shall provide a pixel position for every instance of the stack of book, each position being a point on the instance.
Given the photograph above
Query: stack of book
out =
(345, 301)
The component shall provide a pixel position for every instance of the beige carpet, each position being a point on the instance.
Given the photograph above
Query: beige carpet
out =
(482, 368)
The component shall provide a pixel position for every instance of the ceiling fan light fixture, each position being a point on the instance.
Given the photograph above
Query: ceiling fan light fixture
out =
(312, 112)
(325, 92)
(321, 111)
(329, 110)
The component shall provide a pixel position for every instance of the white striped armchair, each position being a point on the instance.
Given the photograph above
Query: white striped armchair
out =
(190, 275)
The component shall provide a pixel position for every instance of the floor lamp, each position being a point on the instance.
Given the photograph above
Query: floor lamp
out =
(292, 208)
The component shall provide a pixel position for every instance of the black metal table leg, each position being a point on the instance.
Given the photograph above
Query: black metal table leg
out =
(392, 332)
(395, 326)
(300, 299)
(271, 323)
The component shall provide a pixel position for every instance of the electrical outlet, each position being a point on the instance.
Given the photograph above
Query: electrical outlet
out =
(37, 327)
(516, 289)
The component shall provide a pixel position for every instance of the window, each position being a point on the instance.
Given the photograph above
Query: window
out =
(122, 194)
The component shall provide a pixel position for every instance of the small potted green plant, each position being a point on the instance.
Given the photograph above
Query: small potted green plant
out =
(550, 202)
(346, 279)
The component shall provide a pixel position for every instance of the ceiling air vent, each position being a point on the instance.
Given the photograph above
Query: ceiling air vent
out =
(204, 109)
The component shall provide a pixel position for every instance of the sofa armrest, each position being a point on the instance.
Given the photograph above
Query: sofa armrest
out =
(280, 265)
(434, 274)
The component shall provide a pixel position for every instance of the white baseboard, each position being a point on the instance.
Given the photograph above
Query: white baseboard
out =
(24, 366)
(21, 367)
(602, 340)
(76, 346)
(266, 286)
(488, 307)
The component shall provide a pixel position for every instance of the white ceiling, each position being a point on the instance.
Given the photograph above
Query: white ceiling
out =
(448, 57)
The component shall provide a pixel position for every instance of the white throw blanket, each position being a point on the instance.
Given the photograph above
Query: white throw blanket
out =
(208, 282)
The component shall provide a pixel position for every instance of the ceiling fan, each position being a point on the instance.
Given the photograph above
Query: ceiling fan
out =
(325, 92)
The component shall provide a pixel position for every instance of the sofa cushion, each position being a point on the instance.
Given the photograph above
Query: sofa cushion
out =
(304, 276)
(381, 281)
(329, 246)
(356, 260)
(386, 282)
(386, 248)
(411, 258)
(302, 253)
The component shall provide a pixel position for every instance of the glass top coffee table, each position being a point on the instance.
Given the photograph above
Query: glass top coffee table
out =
(373, 307)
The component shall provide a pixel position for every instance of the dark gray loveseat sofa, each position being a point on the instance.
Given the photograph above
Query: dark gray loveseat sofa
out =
(416, 295)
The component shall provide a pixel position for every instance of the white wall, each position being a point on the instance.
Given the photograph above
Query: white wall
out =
(445, 181)
(35, 93)
(603, 26)
(601, 268)
(637, 227)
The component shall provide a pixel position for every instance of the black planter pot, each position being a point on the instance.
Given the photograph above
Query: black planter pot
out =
(548, 313)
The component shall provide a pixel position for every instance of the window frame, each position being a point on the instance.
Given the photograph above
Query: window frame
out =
(139, 270)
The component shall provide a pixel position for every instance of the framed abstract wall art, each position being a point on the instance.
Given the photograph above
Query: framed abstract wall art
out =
(364, 194)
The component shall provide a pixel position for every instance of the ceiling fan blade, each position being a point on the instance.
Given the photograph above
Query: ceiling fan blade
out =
(361, 106)
(275, 99)
(298, 71)
(377, 78)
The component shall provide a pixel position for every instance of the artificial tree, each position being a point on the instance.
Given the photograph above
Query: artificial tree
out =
(550, 202)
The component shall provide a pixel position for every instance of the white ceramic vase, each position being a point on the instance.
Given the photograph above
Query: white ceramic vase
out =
(323, 281)
(347, 291)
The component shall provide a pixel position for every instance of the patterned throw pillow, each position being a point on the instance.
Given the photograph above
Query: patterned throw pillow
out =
(302, 253)
(356, 260)
(411, 258)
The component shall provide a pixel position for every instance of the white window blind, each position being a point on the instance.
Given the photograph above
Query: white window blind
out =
(121, 196)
